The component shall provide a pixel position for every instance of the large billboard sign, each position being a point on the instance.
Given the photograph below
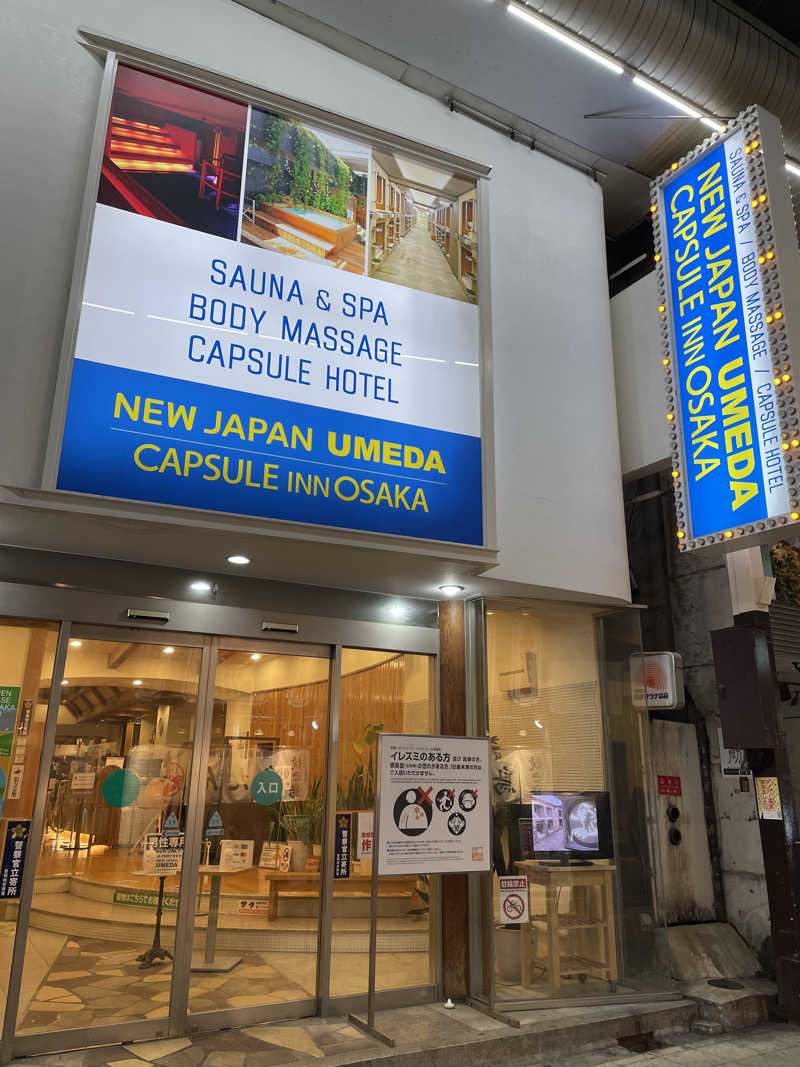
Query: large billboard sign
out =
(275, 322)
(727, 259)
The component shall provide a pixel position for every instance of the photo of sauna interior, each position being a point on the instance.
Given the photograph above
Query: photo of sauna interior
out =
(174, 153)
(423, 228)
(130, 717)
(305, 193)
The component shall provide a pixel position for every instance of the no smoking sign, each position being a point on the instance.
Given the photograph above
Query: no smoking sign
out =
(514, 900)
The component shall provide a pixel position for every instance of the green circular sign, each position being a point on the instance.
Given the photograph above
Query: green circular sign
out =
(121, 788)
(267, 787)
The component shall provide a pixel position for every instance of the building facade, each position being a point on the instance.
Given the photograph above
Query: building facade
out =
(310, 415)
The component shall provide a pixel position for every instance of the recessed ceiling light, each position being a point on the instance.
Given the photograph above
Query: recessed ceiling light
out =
(315, 724)
(397, 610)
(200, 586)
(451, 590)
(255, 656)
(538, 724)
(290, 733)
(64, 681)
(168, 650)
(75, 643)
(137, 681)
(239, 561)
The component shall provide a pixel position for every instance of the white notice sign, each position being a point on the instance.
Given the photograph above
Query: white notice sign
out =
(434, 815)
(513, 900)
(163, 854)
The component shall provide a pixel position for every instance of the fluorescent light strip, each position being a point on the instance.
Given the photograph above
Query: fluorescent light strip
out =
(662, 94)
(544, 24)
(565, 38)
(793, 168)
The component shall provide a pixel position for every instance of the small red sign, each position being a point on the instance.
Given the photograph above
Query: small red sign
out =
(669, 785)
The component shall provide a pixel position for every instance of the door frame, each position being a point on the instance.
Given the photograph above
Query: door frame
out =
(207, 627)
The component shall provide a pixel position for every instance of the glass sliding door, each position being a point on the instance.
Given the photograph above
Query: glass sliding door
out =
(393, 693)
(185, 864)
(257, 913)
(27, 653)
(102, 920)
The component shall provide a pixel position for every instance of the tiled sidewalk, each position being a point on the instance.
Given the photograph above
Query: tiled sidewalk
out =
(333, 1043)
(773, 1045)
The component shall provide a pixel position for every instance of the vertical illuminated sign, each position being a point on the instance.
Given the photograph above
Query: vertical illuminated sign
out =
(724, 239)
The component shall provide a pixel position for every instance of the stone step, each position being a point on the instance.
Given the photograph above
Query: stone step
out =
(81, 916)
(559, 1034)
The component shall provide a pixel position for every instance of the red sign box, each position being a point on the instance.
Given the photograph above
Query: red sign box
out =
(669, 785)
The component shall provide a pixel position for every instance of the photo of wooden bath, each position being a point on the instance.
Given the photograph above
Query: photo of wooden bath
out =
(423, 227)
(305, 193)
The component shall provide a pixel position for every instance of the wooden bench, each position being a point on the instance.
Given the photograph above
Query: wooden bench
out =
(306, 884)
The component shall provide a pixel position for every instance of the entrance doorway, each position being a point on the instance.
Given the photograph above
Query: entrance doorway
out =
(192, 871)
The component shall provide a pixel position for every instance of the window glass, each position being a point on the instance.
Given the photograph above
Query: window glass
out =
(381, 692)
(562, 842)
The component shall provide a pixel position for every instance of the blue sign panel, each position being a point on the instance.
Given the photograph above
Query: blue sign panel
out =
(725, 404)
(13, 862)
(344, 844)
(146, 437)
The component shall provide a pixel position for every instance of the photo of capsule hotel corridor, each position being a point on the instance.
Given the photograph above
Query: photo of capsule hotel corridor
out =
(174, 153)
(305, 193)
(423, 228)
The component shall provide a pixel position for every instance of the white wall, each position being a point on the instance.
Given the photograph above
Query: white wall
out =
(639, 377)
(557, 455)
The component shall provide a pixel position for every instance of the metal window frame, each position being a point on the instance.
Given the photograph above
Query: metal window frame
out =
(180, 1021)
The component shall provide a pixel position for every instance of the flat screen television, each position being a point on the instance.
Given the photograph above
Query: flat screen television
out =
(571, 827)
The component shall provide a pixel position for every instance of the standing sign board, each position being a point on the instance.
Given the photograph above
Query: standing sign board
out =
(239, 346)
(163, 853)
(434, 813)
(729, 305)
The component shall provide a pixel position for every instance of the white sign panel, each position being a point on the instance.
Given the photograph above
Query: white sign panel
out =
(657, 680)
(513, 901)
(434, 813)
(731, 760)
(364, 838)
(236, 855)
(163, 854)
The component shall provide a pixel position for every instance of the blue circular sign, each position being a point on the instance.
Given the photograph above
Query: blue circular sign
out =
(267, 787)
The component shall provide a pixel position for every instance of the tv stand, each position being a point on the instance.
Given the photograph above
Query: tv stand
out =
(575, 939)
(566, 863)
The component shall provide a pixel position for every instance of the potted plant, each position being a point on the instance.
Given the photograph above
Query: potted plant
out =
(302, 821)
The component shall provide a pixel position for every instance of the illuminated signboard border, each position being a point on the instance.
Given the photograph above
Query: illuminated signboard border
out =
(773, 219)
